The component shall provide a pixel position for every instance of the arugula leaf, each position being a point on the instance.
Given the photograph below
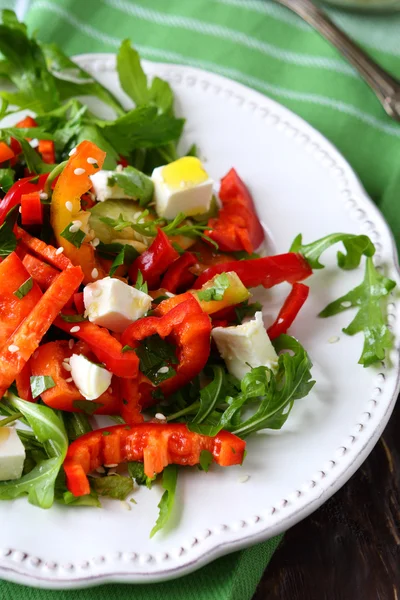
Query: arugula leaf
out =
(136, 471)
(211, 394)
(132, 78)
(74, 237)
(356, 246)
(217, 290)
(156, 357)
(87, 406)
(76, 424)
(24, 288)
(134, 183)
(367, 298)
(63, 496)
(246, 310)
(206, 460)
(114, 486)
(126, 256)
(166, 504)
(6, 179)
(40, 383)
(140, 284)
(8, 241)
(49, 430)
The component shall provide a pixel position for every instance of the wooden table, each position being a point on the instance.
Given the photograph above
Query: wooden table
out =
(349, 549)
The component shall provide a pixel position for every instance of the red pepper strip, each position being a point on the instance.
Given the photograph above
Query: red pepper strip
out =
(49, 359)
(23, 383)
(154, 261)
(189, 328)
(13, 196)
(267, 271)
(31, 209)
(156, 445)
(131, 407)
(5, 152)
(293, 303)
(104, 346)
(13, 310)
(40, 272)
(237, 226)
(48, 152)
(29, 334)
(178, 277)
(44, 251)
(79, 304)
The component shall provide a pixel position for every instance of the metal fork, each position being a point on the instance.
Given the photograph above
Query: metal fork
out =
(386, 87)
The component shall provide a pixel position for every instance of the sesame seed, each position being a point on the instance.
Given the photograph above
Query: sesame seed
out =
(346, 304)
(79, 171)
(244, 478)
(126, 505)
(91, 160)
(100, 470)
(74, 329)
(95, 242)
(110, 390)
(66, 366)
(119, 168)
(34, 143)
(68, 205)
(95, 273)
(69, 380)
(333, 339)
(169, 294)
(160, 417)
(66, 360)
(20, 209)
(71, 344)
(111, 465)
(72, 152)
(163, 370)
(43, 196)
(13, 348)
(60, 250)
(74, 228)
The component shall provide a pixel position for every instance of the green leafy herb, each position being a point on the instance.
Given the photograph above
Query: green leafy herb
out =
(87, 406)
(74, 237)
(6, 179)
(217, 290)
(126, 256)
(114, 486)
(140, 284)
(134, 183)
(127, 348)
(136, 471)
(76, 424)
(246, 310)
(40, 383)
(166, 504)
(156, 354)
(63, 496)
(355, 245)
(161, 95)
(24, 288)
(206, 460)
(73, 318)
(367, 298)
(131, 75)
(49, 431)
(8, 241)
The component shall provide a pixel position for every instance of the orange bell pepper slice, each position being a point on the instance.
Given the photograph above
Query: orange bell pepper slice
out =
(40, 272)
(45, 252)
(73, 182)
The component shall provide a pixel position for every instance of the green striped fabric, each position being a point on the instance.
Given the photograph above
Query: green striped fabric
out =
(268, 48)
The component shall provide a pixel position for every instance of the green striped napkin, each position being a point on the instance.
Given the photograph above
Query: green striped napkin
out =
(266, 47)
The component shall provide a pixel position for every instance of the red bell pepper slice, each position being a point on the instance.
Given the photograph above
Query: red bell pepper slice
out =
(104, 346)
(20, 187)
(6, 152)
(79, 303)
(49, 359)
(31, 209)
(189, 329)
(23, 342)
(131, 406)
(237, 226)
(47, 151)
(156, 445)
(27, 123)
(154, 261)
(178, 277)
(23, 383)
(267, 271)
(293, 303)
(44, 251)
(40, 272)
(13, 310)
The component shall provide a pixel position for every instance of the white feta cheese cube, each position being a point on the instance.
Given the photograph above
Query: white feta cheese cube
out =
(246, 343)
(182, 186)
(103, 191)
(12, 454)
(90, 379)
(114, 304)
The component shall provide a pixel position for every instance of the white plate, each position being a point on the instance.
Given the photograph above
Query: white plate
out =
(300, 183)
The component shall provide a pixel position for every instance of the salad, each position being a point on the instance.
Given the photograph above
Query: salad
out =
(126, 290)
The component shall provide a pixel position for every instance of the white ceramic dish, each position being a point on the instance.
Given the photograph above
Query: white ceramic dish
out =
(300, 183)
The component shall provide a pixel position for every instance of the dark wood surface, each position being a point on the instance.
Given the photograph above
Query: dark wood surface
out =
(350, 548)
